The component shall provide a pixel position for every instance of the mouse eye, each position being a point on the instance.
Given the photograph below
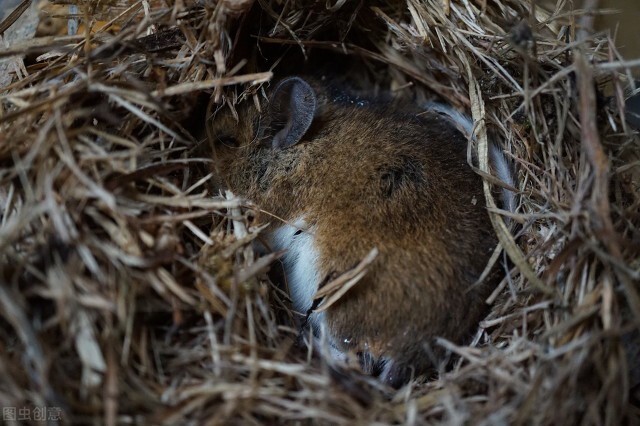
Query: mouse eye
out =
(228, 141)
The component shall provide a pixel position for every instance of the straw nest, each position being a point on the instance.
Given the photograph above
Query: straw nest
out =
(130, 292)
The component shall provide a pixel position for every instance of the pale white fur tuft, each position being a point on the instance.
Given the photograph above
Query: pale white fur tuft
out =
(300, 262)
(303, 278)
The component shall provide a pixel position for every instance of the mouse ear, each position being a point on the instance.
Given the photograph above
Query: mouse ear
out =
(292, 107)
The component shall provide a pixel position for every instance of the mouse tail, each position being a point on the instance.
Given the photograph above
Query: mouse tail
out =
(502, 166)
(504, 171)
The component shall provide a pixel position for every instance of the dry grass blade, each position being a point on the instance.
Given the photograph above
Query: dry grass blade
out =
(13, 16)
(478, 114)
(597, 157)
(334, 290)
(210, 84)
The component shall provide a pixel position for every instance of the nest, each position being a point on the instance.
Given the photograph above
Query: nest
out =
(131, 294)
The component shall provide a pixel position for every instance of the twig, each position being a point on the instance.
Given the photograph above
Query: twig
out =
(595, 153)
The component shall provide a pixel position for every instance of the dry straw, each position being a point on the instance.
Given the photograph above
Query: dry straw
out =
(130, 292)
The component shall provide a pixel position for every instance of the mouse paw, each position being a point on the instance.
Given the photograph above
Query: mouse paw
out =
(395, 374)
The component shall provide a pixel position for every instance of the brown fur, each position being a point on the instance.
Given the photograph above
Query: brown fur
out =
(374, 174)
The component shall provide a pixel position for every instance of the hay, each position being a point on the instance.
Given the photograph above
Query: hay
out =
(130, 292)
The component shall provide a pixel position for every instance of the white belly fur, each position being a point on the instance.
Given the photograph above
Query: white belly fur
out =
(303, 278)
(300, 262)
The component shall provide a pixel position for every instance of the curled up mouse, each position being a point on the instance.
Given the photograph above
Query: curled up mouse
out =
(350, 177)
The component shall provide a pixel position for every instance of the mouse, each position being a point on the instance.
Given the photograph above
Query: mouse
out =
(338, 174)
